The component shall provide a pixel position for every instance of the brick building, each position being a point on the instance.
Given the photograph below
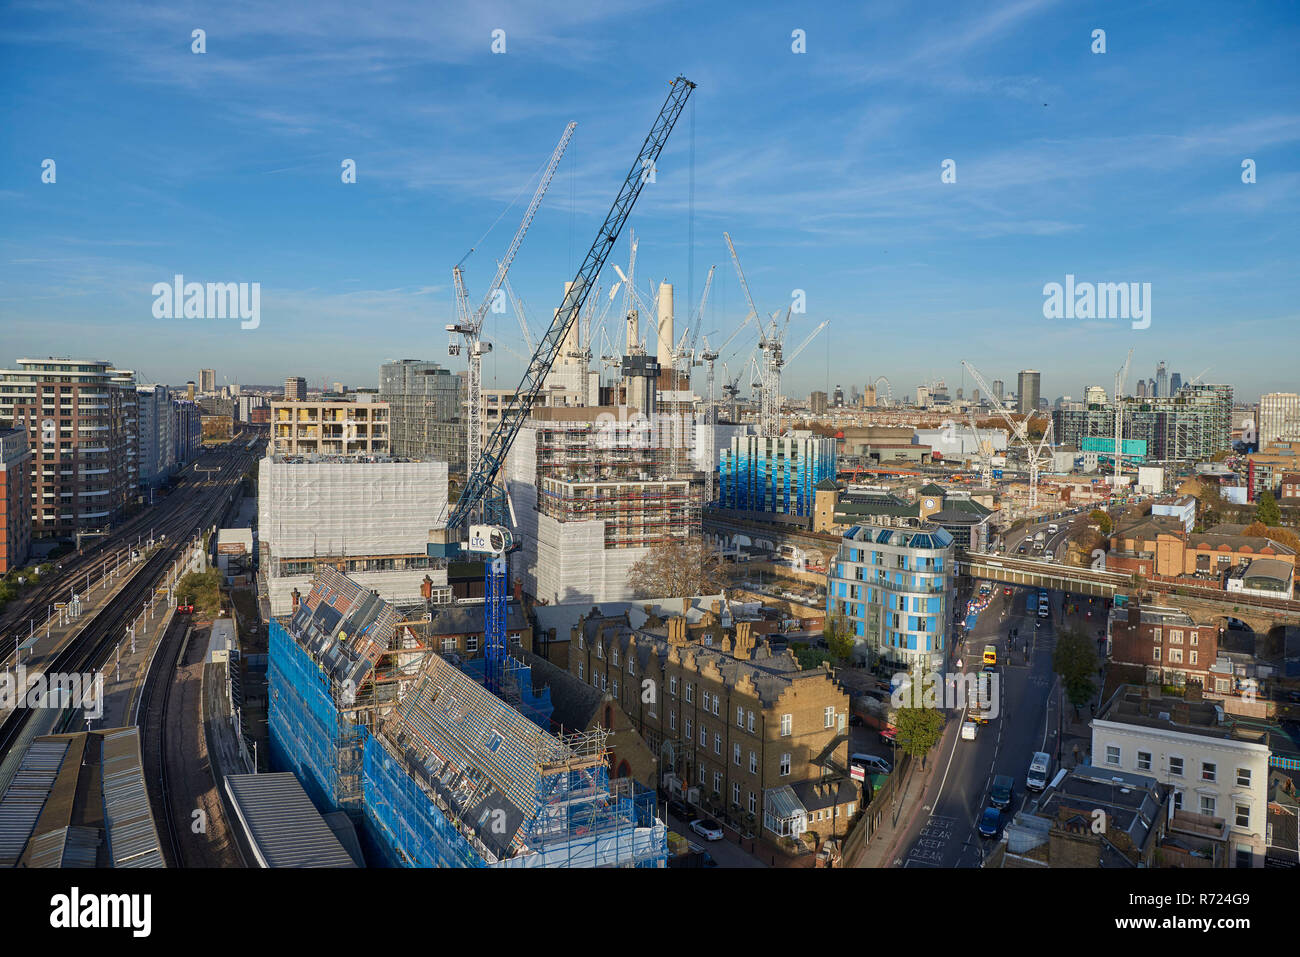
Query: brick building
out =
(1167, 642)
(15, 499)
(1158, 545)
(733, 725)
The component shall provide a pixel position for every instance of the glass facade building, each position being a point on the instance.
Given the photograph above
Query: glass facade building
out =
(894, 588)
(774, 474)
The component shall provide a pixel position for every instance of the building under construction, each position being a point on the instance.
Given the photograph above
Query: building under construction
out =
(594, 489)
(437, 770)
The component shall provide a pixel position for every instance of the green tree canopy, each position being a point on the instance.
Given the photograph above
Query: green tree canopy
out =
(1267, 510)
(1102, 520)
(1075, 660)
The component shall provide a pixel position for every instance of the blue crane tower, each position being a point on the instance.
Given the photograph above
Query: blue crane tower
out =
(481, 501)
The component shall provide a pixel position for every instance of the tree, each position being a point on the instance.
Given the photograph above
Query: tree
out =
(1075, 660)
(1283, 536)
(678, 568)
(1267, 510)
(919, 729)
(202, 590)
(839, 639)
(1102, 520)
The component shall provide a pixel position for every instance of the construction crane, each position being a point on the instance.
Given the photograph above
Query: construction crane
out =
(630, 315)
(684, 356)
(983, 449)
(1121, 380)
(470, 327)
(771, 344)
(477, 500)
(1036, 454)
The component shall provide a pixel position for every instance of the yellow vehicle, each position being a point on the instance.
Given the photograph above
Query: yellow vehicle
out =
(990, 655)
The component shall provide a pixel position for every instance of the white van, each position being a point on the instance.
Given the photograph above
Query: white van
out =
(1052, 529)
(1039, 765)
(968, 729)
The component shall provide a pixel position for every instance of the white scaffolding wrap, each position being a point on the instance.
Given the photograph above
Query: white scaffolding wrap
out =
(340, 509)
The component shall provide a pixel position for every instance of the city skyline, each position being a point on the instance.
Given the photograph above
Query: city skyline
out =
(826, 167)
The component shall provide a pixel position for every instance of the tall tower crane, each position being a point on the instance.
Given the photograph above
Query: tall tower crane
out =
(1121, 379)
(470, 327)
(1036, 454)
(495, 541)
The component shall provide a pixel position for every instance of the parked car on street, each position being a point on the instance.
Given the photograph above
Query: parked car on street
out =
(990, 822)
(707, 828)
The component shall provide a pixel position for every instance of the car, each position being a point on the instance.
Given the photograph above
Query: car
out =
(873, 764)
(1003, 791)
(990, 822)
(707, 828)
(682, 810)
(889, 735)
(1006, 590)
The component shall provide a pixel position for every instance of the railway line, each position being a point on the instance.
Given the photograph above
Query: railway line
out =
(90, 649)
(151, 717)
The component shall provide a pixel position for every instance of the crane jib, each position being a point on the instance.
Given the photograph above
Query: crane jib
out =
(497, 446)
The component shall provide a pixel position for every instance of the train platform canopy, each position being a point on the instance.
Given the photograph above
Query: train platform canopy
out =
(281, 824)
(79, 800)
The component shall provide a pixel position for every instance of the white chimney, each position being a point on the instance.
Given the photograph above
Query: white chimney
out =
(666, 343)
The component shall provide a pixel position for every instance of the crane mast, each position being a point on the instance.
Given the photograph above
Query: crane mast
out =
(470, 328)
(1020, 429)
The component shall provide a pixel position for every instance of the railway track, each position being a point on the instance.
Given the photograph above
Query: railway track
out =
(90, 650)
(151, 718)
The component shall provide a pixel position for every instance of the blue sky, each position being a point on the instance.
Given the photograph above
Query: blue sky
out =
(824, 166)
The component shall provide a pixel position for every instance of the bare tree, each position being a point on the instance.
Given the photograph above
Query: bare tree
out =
(678, 568)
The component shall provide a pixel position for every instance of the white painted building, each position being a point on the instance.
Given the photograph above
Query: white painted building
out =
(1217, 769)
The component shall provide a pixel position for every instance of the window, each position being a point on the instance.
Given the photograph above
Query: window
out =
(1243, 777)
(1207, 805)
(715, 704)
(1113, 754)
(1245, 858)
(717, 783)
(717, 743)
(740, 717)
(690, 692)
(753, 803)
(672, 720)
(688, 729)
(830, 716)
(787, 725)
(672, 685)
(1155, 653)
(471, 643)
(603, 680)
(1175, 656)
(749, 722)
(1144, 761)
(1191, 656)
(449, 643)
(1193, 640)
(1175, 766)
(615, 687)
(581, 676)
(785, 764)
(704, 736)
(1243, 815)
(1175, 636)
(614, 656)
(702, 774)
(581, 643)
(1209, 771)
(753, 763)
(600, 650)
(631, 663)
(735, 755)
(735, 794)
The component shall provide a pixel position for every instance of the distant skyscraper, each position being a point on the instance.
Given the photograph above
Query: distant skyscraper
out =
(295, 389)
(1175, 383)
(1141, 390)
(1151, 387)
(1162, 380)
(207, 380)
(189, 390)
(1027, 390)
(817, 403)
(1094, 395)
(839, 398)
(997, 389)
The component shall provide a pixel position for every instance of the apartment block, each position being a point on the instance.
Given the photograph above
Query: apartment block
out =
(1279, 417)
(125, 380)
(734, 725)
(1159, 545)
(894, 587)
(424, 409)
(15, 499)
(74, 416)
(330, 428)
(1265, 468)
(295, 389)
(1217, 766)
(592, 494)
(777, 475)
(1193, 425)
(207, 380)
(156, 415)
(187, 434)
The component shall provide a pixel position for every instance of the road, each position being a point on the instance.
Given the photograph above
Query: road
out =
(944, 833)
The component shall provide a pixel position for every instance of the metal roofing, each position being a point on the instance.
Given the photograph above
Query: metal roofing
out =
(128, 819)
(65, 847)
(282, 824)
(26, 795)
(782, 803)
